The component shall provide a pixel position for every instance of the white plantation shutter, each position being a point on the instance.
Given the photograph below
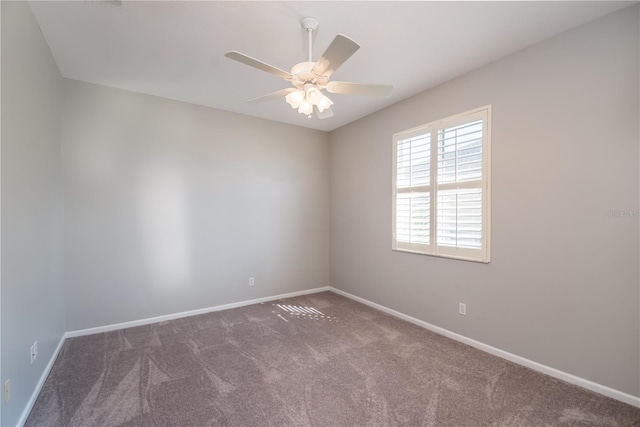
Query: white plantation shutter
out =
(413, 218)
(441, 188)
(413, 201)
(414, 161)
(460, 153)
(459, 218)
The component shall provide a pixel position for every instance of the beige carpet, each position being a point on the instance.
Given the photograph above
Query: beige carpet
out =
(317, 360)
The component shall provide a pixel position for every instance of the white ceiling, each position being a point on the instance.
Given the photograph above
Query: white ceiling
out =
(175, 49)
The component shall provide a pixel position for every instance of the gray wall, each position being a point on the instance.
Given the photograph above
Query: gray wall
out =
(32, 280)
(562, 287)
(172, 207)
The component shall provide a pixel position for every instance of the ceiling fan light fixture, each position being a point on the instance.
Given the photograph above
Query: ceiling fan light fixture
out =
(312, 93)
(305, 108)
(324, 103)
(295, 98)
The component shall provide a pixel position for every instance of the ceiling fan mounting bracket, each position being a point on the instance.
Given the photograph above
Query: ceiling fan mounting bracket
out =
(310, 24)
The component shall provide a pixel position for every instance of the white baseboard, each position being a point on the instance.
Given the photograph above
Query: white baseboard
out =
(43, 378)
(553, 372)
(172, 316)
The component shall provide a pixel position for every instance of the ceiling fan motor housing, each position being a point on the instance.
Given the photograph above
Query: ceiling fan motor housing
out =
(303, 73)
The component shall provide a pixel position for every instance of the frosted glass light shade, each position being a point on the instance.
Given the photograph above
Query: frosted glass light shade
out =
(324, 103)
(295, 98)
(305, 108)
(313, 94)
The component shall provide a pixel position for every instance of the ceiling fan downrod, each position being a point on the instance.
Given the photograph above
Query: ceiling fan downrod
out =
(310, 24)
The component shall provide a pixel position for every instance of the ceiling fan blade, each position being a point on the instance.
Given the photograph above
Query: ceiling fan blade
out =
(380, 91)
(340, 49)
(271, 96)
(252, 62)
(325, 114)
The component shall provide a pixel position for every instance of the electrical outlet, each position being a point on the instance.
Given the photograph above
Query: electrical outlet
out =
(251, 281)
(7, 391)
(462, 308)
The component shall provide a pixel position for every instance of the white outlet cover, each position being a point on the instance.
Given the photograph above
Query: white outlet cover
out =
(462, 309)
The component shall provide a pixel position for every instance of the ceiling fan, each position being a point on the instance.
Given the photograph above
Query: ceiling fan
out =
(310, 78)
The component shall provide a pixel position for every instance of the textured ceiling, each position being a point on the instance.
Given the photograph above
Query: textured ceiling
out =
(175, 49)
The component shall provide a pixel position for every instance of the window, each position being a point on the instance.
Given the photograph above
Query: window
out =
(441, 188)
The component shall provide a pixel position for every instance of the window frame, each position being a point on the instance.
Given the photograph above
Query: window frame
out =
(483, 254)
